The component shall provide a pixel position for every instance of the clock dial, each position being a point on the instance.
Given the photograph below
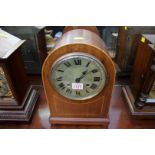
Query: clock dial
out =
(78, 76)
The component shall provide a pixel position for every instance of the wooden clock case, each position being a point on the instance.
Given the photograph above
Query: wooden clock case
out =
(20, 106)
(126, 46)
(142, 79)
(93, 111)
(89, 28)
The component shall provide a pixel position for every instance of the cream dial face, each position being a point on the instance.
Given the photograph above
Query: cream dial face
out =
(78, 76)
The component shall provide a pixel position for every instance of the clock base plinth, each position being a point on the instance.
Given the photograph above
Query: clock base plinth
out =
(147, 112)
(80, 121)
(23, 112)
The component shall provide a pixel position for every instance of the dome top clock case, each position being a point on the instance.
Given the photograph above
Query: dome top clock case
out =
(78, 78)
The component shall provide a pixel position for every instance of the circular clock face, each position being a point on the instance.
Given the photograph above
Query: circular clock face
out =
(78, 76)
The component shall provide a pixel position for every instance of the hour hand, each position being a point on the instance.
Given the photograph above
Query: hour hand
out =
(82, 76)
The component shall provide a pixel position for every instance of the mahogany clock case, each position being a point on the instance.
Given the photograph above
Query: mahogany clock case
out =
(90, 28)
(128, 37)
(34, 50)
(92, 111)
(20, 105)
(137, 93)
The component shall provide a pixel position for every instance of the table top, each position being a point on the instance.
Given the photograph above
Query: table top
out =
(8, 44)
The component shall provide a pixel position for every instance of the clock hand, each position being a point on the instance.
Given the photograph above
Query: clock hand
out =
(81, 77)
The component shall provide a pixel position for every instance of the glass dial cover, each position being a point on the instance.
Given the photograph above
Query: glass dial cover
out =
(78, 76)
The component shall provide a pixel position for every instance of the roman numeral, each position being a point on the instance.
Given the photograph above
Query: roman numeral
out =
(59, 79)
(59, 70)
(87, 64)
(97, 78)
(94, 70)
(78, 93)
(93, 86)
(77, 62)
(67, 64)
(69, 91)
(87, 91)
(62, 86)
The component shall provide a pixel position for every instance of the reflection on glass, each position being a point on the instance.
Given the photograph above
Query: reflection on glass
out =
(5, 91)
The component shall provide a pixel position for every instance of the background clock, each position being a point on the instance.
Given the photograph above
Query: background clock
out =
(17, 96)
(78, 77)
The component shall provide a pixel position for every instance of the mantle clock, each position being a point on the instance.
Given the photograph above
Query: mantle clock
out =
(17, 96)
(78, 78)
